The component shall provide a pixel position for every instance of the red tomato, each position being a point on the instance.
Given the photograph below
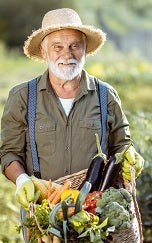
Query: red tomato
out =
(91, 200)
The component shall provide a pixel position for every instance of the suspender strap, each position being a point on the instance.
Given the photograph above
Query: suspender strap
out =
(32, 97)
(103, 94)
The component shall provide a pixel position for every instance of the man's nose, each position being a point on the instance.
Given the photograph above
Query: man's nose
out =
(67, 53)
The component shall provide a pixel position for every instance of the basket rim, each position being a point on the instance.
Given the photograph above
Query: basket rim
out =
(76, 174)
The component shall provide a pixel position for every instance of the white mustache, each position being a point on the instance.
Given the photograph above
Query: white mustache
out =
(69, 61)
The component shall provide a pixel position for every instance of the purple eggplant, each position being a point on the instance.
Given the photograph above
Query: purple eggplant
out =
(95, 170)
(112, 168)
(110, 174)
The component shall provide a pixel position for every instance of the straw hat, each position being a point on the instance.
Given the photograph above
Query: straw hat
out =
(58, 19)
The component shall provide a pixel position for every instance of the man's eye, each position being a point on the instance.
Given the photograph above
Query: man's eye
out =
(57, 48)
(74, 46)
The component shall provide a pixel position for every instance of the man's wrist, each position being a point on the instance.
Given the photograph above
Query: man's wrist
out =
(22, 178)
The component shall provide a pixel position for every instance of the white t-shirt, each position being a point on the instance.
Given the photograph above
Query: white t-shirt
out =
(67, 104)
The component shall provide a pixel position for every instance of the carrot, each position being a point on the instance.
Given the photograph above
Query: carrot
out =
(46, 239)
(51, 236)
(52, 196)
(28, 230)
(55, 185)
(39, 240)
(28, 233)
(56, 240)
(70, 212)
(57, 197)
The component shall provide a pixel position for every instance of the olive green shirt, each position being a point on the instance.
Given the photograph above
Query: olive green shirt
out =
(65, 144)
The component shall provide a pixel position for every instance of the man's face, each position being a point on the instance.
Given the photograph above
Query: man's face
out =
(64, 51)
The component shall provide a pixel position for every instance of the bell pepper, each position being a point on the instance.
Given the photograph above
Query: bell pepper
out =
(66, 193)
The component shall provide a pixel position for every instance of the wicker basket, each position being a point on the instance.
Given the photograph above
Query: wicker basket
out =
(131, 235)
(76, 179)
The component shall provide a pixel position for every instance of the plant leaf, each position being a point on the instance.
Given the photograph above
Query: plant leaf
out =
(103, 224)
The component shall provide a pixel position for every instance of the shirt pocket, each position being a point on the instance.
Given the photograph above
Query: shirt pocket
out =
(45, 136)
(88, 128)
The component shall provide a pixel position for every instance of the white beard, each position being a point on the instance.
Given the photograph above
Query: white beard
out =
(66, 72)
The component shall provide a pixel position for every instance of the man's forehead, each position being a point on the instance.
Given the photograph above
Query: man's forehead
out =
(67, 33)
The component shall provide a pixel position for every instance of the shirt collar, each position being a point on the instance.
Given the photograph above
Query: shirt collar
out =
(87, 82)
(44, 82)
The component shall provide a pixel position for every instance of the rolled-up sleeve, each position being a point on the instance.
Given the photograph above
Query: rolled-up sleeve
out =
(12, 131)
(119, 133)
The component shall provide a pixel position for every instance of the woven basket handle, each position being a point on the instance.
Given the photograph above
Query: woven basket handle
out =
(132, 188)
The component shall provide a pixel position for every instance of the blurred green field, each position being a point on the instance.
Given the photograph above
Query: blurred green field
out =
(130, 75)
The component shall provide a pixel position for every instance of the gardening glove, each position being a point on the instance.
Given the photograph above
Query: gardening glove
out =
(25, 191)
(132, 158)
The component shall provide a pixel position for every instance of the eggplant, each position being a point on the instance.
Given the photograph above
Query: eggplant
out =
(110, 174)
(111, 170)
(95, 170)
(94, 174)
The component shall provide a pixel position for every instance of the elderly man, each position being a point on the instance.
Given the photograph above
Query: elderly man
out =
(67, 108)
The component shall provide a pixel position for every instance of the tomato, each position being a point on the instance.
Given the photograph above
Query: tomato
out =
(91, 201)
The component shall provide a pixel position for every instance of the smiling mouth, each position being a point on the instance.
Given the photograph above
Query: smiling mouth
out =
(66, 64)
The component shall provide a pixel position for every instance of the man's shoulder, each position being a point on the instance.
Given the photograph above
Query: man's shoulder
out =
(102, 82)
(17, 88)
(110, 88)
(22, 87)
(111, 91)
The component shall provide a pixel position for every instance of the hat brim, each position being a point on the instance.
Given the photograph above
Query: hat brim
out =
(95, 39)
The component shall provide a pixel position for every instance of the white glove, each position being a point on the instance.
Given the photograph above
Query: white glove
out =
(25, 190)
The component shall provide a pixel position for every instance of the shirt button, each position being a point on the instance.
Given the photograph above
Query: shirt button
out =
(67, 147)
(66, 171)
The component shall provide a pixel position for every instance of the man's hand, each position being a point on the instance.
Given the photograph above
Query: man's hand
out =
(132, 158)
(25, 191)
